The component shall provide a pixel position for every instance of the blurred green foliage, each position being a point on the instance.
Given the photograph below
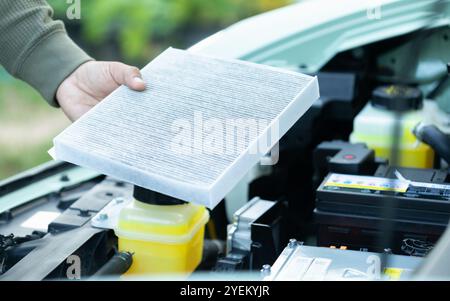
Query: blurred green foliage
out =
(142, 28)
(27, 126)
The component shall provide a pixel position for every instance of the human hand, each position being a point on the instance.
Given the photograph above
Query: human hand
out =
(92, 82)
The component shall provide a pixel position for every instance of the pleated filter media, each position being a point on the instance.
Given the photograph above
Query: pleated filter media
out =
(201, 124)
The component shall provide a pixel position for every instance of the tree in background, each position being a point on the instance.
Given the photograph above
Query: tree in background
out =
(137, 30)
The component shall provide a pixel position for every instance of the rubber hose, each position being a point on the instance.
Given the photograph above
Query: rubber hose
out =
(434, 137)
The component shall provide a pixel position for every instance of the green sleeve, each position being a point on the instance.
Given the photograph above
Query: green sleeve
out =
(35, 48)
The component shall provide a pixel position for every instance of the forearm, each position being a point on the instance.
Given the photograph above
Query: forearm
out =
(35, 48)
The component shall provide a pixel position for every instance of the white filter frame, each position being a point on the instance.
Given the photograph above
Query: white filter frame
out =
(75, 143)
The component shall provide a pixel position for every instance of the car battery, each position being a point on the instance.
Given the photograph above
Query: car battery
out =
(350, 211)
(305, 263)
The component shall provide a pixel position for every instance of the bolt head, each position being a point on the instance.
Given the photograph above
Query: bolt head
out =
(119, 200)
(266, 269)
(292, 243)
(103, 216)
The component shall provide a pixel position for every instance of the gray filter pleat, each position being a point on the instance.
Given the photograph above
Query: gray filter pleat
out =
(201, 124)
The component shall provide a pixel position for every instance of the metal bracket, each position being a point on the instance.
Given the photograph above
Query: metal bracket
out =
(108, 217)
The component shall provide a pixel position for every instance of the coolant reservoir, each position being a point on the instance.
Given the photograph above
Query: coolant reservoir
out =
(374, 125)
(165, 236)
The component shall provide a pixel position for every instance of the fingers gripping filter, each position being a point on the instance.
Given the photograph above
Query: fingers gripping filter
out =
(201, 124)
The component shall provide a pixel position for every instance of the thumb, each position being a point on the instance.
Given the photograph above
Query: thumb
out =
(127, 75)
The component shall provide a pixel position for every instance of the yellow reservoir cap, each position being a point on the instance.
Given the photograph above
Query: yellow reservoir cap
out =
(164, 239)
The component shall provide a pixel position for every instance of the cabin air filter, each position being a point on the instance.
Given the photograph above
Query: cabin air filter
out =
(201, 124)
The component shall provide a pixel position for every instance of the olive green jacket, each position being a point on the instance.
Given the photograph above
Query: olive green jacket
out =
(35, 48)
